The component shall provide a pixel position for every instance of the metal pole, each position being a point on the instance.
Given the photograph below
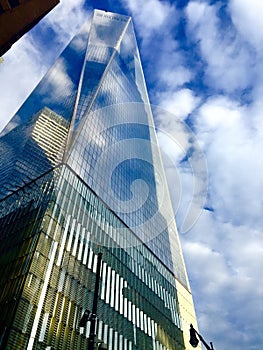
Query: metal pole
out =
(204, 342)
(95, 305)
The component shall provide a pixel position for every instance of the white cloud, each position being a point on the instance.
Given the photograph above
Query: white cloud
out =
(196, 11)
(224, 262)
(155, 22)
(175, 75)
(226, 243)
(248, 18)
(66, 18)
(181, 103)
(218, 111)
(233, 150)
(171, 71)
(227, 58)
(20, 71)
(184, 163)
(215, 275)
(150, 15)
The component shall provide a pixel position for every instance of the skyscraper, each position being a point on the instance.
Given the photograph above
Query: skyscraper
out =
(81, 174)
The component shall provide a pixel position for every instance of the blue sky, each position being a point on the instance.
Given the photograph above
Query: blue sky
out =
(202, 62)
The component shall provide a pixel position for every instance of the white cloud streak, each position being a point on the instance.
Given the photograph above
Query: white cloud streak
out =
(224, 249)
(181, 102)
(66, 18)
(248, 18)
(150, 15)
(220, 48)
(20, 71)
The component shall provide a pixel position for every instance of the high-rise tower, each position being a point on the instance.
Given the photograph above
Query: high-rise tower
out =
(81, 173)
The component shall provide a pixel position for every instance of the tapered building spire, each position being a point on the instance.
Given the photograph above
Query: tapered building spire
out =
(81, 173)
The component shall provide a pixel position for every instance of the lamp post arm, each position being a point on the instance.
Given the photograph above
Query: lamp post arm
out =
(204, 342)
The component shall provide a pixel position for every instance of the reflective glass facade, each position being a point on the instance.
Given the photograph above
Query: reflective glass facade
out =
(81, 173)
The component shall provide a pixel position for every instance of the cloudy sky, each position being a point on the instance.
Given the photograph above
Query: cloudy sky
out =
(203, 64)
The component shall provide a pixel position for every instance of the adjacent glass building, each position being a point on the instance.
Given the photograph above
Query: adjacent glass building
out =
(81, 174)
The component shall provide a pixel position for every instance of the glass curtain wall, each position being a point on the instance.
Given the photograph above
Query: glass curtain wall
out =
(81, 173)
(49, 281)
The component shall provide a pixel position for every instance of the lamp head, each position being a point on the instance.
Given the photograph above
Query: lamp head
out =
(193, 339)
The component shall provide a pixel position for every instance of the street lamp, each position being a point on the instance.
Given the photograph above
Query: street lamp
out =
(194, 340)
(92, 316)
